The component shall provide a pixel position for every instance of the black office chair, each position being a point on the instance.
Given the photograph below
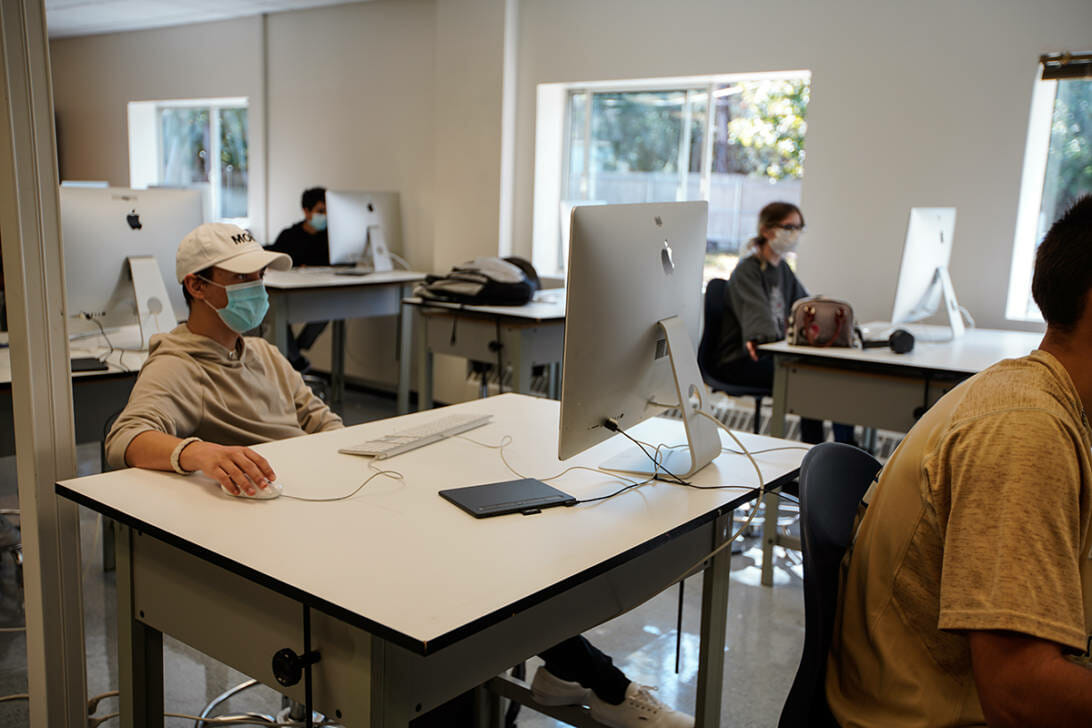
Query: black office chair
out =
(715, 296)
(833, 479)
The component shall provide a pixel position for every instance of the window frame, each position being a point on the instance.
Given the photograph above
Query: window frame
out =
(690, 85)
(214, 107)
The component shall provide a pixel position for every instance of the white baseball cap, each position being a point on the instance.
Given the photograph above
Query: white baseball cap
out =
(225, 246)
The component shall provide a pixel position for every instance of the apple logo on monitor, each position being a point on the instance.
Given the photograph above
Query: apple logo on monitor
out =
(134, 220)
(667, 259)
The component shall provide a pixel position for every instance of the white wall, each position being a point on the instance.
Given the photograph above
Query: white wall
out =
(922, 103)
(95, 77)
(399, 95)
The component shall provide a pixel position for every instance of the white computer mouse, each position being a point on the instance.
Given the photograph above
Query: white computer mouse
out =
(271, 491)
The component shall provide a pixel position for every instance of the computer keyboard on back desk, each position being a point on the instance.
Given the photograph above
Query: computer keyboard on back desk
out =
(400, 441)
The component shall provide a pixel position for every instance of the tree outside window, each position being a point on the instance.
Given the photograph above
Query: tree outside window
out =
(661, 145)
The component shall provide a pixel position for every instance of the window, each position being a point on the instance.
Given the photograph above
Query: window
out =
(737, 142)
(197, 144)
(1057, 171)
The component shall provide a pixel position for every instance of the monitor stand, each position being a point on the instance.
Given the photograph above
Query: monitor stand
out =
(702, 440)
(955, 318)
(153, 305)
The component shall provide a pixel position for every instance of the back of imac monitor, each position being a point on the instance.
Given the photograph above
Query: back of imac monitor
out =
(630, 266)
(928, 248)
(101, 228)
(349, 213)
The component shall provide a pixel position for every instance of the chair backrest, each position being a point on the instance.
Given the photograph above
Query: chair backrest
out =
(833, 479)
(710, 333)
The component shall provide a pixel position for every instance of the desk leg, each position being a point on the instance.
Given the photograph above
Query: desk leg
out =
(424, 363)
(405, 354)
(488, 711)
(517, 341)
(772, 502)
(140, 649)
(278, 316)
(337, 362)
(714, 628)
(387, 710)
(780, 396)
(769, 536)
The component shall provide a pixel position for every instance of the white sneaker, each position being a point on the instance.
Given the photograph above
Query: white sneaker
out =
(639, 710)
(549, 689)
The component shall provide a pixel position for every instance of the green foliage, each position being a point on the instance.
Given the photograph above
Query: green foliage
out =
(1069, 160)
(767, 127)
(637, 131)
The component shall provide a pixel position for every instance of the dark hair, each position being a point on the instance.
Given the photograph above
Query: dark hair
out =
(312, 197)
(1063, 267)
(772, 214)
(204, 273)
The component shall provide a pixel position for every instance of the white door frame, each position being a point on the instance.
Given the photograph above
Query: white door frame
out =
(42, 392)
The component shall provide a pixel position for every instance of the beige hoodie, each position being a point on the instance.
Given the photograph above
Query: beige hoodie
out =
(191, 386)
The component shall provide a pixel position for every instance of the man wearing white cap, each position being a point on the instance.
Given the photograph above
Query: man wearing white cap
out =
(206, 391)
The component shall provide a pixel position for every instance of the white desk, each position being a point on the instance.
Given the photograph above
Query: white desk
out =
(302, 295)
(529, 335)
(411, 601)
(875, 387)
(96, 395)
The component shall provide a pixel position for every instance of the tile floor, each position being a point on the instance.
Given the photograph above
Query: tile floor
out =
(765, 632)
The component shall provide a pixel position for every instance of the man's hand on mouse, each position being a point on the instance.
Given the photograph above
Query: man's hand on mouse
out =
(239, 470)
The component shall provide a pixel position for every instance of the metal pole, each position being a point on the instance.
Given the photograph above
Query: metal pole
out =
(42, 398)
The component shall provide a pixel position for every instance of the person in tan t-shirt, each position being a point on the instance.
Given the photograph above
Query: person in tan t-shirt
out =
(967, 593)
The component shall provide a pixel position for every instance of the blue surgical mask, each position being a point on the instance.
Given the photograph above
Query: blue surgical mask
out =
(318, 221)
(246, 307)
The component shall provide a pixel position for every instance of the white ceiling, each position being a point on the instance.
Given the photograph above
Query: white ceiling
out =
(89, 17)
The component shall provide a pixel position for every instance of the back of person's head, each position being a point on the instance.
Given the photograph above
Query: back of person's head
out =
(771, 215)
(1063, 267)
(312, 197)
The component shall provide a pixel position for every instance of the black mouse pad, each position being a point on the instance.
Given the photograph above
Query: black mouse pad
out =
(511, 496)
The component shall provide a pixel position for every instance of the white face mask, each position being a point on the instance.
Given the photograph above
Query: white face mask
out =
(785, 241)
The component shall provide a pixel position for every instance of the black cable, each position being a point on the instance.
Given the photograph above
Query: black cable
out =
(656, 464)
(620, 491)
(500, 359)
(102, 331)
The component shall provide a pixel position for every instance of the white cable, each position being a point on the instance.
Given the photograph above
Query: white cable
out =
(507, 440)
(392, 474)
(13, 629)
(17, 696)
(400, 260)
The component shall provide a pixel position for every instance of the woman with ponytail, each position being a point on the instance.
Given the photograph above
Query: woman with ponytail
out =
(758, 299)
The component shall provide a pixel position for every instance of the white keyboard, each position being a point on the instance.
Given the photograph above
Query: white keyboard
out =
(401, 441)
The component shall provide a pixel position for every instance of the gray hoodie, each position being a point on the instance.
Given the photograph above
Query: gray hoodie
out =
(191, 386)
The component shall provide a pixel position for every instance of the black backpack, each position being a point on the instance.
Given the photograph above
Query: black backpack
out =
(483, 282)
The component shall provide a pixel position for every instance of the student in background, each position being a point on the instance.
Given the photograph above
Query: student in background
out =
(306, 243)
(759, 297)
(967, 592)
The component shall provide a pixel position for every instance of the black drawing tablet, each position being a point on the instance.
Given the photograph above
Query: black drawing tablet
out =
(512, 496)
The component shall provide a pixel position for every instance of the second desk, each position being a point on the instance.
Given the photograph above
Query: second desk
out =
(519, 336)
(302, 295)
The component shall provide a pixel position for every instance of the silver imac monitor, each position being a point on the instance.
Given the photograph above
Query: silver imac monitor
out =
(102, 229)
(632, 312)
(923, 275)
(352, 217)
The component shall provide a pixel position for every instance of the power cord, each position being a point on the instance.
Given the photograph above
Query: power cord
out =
(90, 317)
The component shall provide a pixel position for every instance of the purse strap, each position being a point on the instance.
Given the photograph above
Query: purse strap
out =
(811, 329)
